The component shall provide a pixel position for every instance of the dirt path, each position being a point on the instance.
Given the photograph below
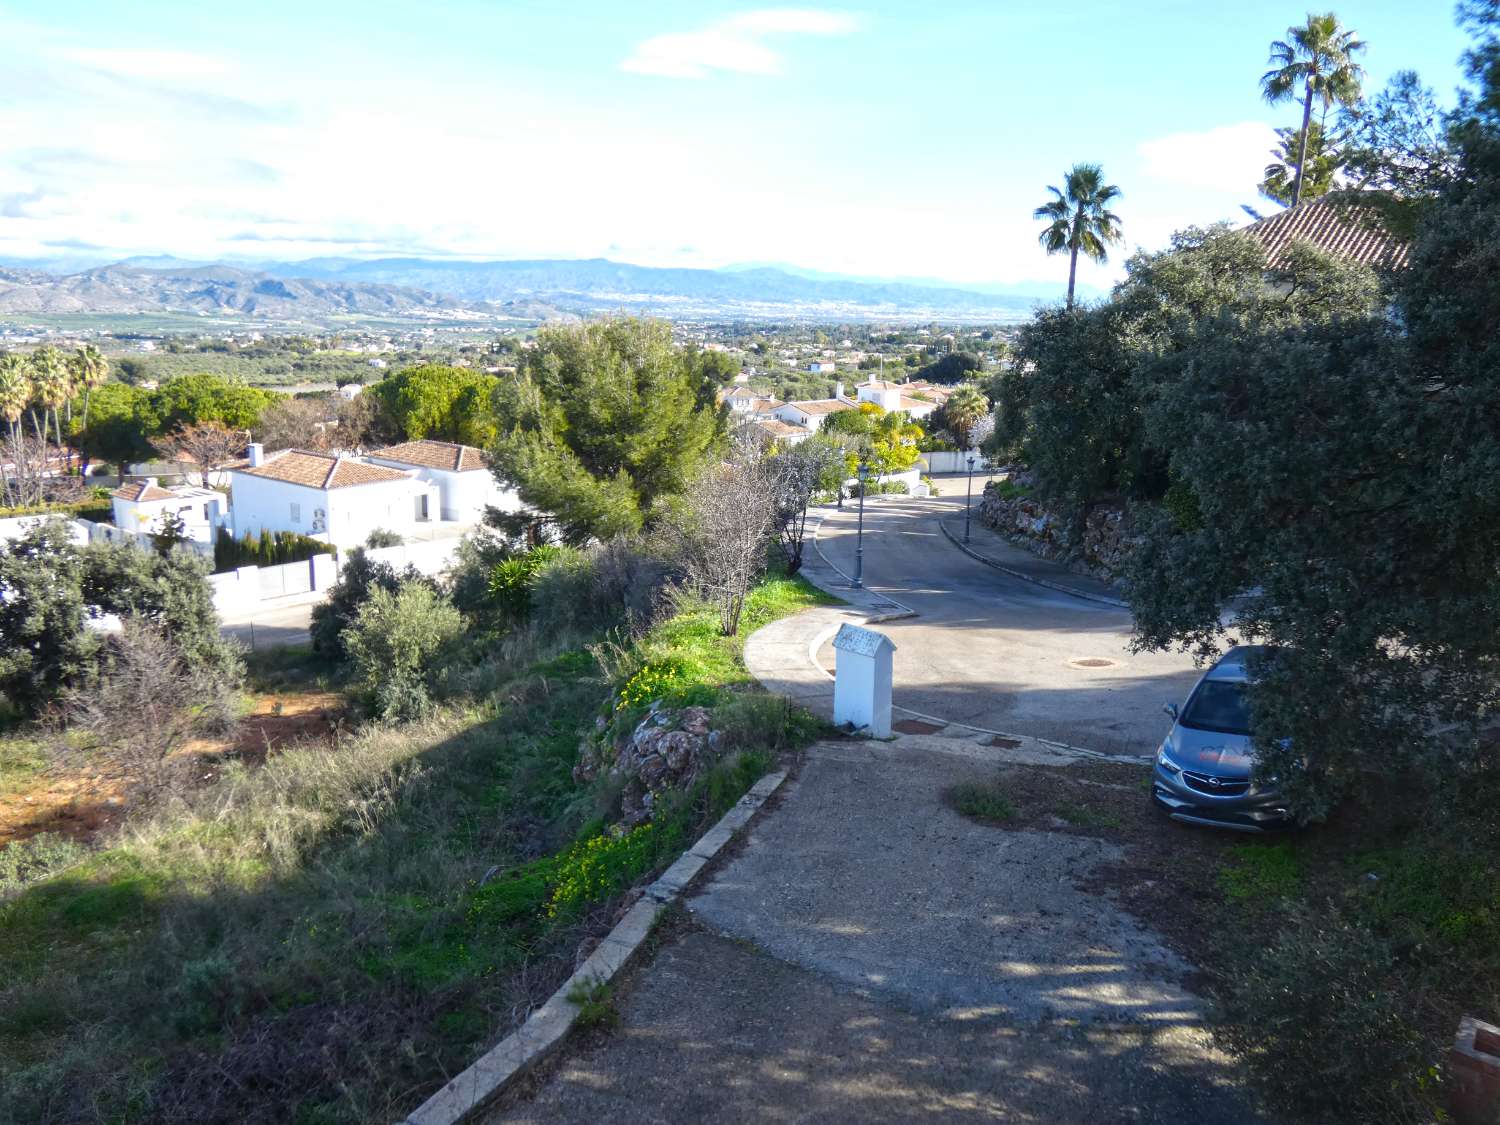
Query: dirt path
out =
(873, 956)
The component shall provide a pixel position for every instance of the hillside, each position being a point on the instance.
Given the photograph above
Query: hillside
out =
(598, 284)
(217, 290)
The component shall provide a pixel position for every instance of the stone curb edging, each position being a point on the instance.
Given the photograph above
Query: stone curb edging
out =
(547, 1027)
(1003, 569)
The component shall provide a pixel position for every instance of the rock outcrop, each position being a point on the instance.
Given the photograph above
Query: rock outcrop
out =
(667, 750)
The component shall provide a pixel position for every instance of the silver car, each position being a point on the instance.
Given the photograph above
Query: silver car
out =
(1203, 768)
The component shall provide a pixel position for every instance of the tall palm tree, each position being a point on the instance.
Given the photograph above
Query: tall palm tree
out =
(1079, 218)
(90, 369)
(15, 390)
(1315, 60)
(964, 407)
(52, 384)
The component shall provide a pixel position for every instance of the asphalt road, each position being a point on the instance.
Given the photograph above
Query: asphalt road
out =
(995, 652)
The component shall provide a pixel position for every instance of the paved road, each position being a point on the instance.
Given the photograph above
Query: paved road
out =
(273, 626)
(871, 956)
(995, 652)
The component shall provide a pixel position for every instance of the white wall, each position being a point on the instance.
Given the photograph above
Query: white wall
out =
(463, 496)
(359, 509)
(147, 516)
(431, 558)
(261, 504)
(953, 461)
(13, 527)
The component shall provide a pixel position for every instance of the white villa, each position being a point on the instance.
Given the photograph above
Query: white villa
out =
(326, 496)
(812, 414)
(894, 396)
(822, 367)
(460, 473)
(774, 429)
(744, 403)
(141, 505)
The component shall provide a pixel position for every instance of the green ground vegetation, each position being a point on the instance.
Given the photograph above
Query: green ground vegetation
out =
(327, 936)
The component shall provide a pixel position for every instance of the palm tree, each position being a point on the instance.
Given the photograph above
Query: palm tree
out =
(1315, 60)
(15, 390)
(52, 385)
(964, 407)
(90, 369)
(1079, 218)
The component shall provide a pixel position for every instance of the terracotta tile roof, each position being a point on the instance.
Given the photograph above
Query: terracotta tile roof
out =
(878, 385)
(434, 455)
(320, 470)
(822, 406)
(140, 492)
(777, 428)
(908, 403)
(1332, 224)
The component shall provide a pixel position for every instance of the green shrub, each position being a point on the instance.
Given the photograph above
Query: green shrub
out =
(1320, 1017)
(393, 642)
(512, 580)
(380, 537)
(359, 578)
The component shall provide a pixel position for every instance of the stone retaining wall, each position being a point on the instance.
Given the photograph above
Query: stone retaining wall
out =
(1097, 546)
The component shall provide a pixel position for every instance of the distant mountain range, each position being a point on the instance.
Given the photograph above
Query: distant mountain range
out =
(213, 289)
(428, 288)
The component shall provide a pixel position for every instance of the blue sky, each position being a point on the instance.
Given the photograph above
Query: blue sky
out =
(888, 139)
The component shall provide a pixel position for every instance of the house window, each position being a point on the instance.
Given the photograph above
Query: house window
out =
(296, 513)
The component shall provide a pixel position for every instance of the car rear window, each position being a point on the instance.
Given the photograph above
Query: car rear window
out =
(1218, 705)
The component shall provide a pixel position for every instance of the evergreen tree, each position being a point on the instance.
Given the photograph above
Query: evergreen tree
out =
(606, 422)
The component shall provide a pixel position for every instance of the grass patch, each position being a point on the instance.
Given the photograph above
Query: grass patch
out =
(596, 1006)
(324, 937)
(1262, 873)
(983, 801)
(1008, 490)
(1085, 816)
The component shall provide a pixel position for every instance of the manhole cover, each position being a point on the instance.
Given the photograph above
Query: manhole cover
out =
(1092, 662)
(915, 726)
(1004, 743)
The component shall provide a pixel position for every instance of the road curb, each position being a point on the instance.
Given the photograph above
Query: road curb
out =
(546, 1028)
(1072, 591)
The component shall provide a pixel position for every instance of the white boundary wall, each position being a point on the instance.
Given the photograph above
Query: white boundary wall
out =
(239, 593)
(953, 461)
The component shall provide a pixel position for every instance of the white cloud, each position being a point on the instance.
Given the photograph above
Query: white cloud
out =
(161, 66)
(733, 44)
(1230, 158)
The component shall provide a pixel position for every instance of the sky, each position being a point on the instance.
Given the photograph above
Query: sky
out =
(887, 139)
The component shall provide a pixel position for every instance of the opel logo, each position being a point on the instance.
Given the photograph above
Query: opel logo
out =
(1215, 782)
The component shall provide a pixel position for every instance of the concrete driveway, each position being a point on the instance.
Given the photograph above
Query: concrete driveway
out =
(872, 956)
(991, 651)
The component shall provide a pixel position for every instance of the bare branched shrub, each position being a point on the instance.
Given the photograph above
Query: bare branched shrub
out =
(148, 702)
(726, 522)
(796, 475)
(208, 445)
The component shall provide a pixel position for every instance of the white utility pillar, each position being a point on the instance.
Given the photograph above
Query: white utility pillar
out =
(862, 679)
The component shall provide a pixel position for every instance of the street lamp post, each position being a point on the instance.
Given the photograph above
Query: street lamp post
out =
(859, 538)
(969, 498)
